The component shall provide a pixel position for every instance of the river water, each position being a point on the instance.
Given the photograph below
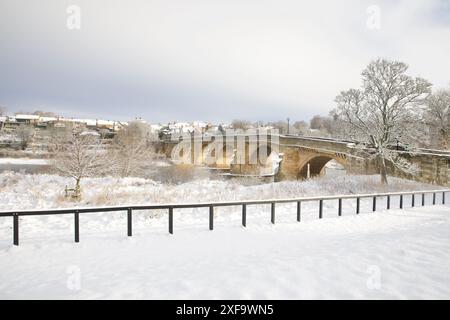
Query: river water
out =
(162, 172)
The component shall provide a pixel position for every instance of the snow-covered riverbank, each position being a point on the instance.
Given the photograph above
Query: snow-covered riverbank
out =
(31, 191)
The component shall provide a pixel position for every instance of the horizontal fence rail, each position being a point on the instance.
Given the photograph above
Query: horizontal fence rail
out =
(211, 205)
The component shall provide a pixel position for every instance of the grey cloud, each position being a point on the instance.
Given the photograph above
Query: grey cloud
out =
(207, 60)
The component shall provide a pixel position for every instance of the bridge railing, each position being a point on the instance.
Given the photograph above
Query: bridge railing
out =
(211, 205)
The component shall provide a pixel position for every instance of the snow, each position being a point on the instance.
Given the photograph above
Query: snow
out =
(8, 138)
(395, 254)
(40, 191)
(47, 119)
(27, 116)
(199, 124)
(23, 161)
(90, 133)
(155, 127)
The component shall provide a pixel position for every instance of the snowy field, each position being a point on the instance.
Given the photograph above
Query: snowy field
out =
(396, 254)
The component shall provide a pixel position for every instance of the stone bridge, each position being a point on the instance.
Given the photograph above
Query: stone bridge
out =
(298, 157)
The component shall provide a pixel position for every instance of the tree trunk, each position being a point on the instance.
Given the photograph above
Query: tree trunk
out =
(78, 189)
(445, 140)
(383, 170)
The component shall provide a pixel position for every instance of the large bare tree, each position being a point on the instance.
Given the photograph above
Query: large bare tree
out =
(384, 111)
(437, 116)
(80, 155)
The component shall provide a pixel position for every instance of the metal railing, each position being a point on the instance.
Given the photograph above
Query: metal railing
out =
(211, 205)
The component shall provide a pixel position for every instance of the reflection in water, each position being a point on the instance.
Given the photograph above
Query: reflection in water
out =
(161, 172)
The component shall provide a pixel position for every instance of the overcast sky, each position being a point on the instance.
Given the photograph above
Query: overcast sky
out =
(211, 60)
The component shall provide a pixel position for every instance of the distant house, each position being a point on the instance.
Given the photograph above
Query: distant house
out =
(178, 129)
(44, 122)
(26, 118)
(10, 123)
(106, 124)
(96, 124)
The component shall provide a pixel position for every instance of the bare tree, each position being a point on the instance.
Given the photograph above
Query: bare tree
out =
(58, 136)
(384, 111)
(437, 116)
(81, 155)
(241, 124)
(334, 126)
(25, 134)
(316, 122)
(38, 113)
(131, 150)
(44, 113)
(327, 125)
(301, 126)
(258, 124)
(280, 125)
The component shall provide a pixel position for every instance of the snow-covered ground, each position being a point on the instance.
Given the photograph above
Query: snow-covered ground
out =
(387, 254)
(396, 254)
(31, 191)
(27, 161)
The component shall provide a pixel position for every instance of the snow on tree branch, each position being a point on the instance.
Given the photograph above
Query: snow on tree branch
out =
(385, 111)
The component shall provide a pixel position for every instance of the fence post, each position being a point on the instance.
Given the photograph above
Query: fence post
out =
(340, 207)
(211, 218)
(77, 226)
(443, 197)
(272, 212)
(413, 200)
(299, 210)
(170, 220)
(423, 199)
(357, 205)
(129, 223)
(401, 201)
(16, 229)
(320, 208)
(244, 215)
(434, 198)
(388, 204)
(374, 204)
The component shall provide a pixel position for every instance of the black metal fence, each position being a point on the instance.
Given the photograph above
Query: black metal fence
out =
(211, 205)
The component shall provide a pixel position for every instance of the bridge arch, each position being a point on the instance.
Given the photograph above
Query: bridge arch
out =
(314, 165)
